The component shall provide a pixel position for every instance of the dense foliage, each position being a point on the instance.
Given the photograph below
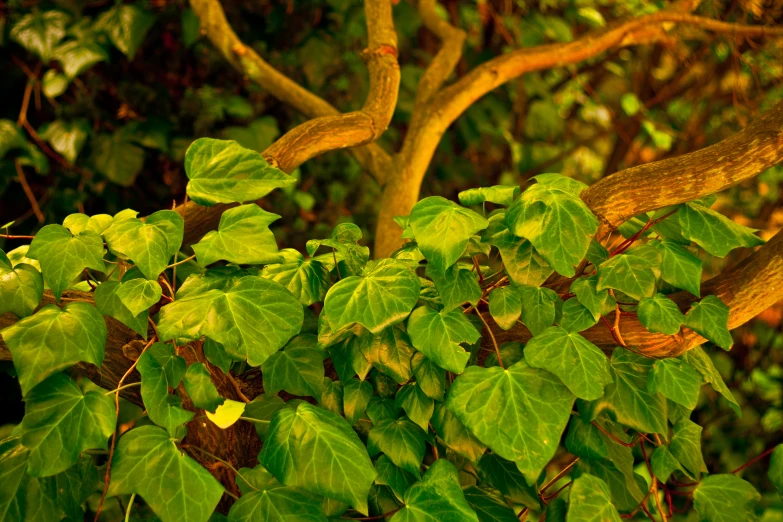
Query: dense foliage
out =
(380, 397)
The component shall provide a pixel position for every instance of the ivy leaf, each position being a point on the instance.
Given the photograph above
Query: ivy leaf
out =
(117, 157)
(699, 359)
(575, 317)
(77, 223)
(276, 505)
(108, 303)
(675, 380)
(685, 445)
(660, 314)
(318, 451)
(499, 194)
(714, 232)
(151, 244)
(224, 172)
(442, 229)
(60, 422)
(599, 302)
(710, 318)
(390, 285)
(243, 237)
(630, 274)
(380, 409)
(298, 368)
(227, 414)
(126, 25)
(538, 308)
(679, 267)
(504, 476)
(63, 256)
(775, 473)
(724, 498)
(262, 409)
(590, 501)
(145, 462)
(391, 352)
(418, 407)
(456, 286)
(557, 223)
(345, 241)
(505, 306)
(393, 476)
(66, 137)
(509, 352)
(531, 404)
(199, 387)
(332, 396)
(252, 317)
(430, 377)
(54, 339)
(138, 295)
(436, 497)
(40, 31)
(160, 370)
(77, 56)
(21, 287)
(437, 336)
(489, 505)
(521, 262)
(663, 463)
(356, 397)
(348, 359)
(627, 397)
(307, 279)
(400, 440)
(580, 364)
(455, 435)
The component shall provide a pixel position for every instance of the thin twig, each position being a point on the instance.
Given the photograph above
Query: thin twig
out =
(28, 191)
(494, 341)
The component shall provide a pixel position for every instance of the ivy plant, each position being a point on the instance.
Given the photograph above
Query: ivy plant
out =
(365, 388)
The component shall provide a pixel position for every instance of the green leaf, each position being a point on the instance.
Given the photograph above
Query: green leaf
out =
(298, 368)
(116, 157)
(390, 286)
(699, 359)
(243, 237)
(455, 435)
(393, 476)
(261, 410)
(627, 397)
(176, 487)
(521, 262)
(400, 440)
(489, 505)
(77, 223)
(679, 267)
(436, 497)
(724, 498)
(685, 445)
(557, 223)
(40, 31)
(54, 339)
(599, 302)
(224, 172)
(580, 364)
(504, 476)
(64, 256)
(66, 137)
(149, 244)
(308, 280)
(251, 317)
(510, 353)
(675, 380)
(538, 308)
(775, 473)
(199, 387)
(437, 336)
(505, 306)
(585, 440)
(11, 137)
(589, 501)
(227, 414)
(318, 451)
(60, 422)
(456, 286)
(710, 318)
(442, 229)
(660, 314)
(575, 317)
(714, 232)
(126, 25)
(21, 287)
(356, 396)
(630, 274)
(417, 405)
(348, 359)
(78, 56)
(138, 295)
(430, 377)
(108, 303)
(391, 353)
(277, 505)
(345, 241)
(499, 194)
(630, 103)
(160, 370)
(380, 409)
(663, 463)
(531, 404)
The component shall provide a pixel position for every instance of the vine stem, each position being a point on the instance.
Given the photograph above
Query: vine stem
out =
(754, 460)
(181, 262)
(130, 505)
(116, 390)
(559, 475)
(378, 517)
(224, 462)
(28, 191)
(107, 477)
(494, 341)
